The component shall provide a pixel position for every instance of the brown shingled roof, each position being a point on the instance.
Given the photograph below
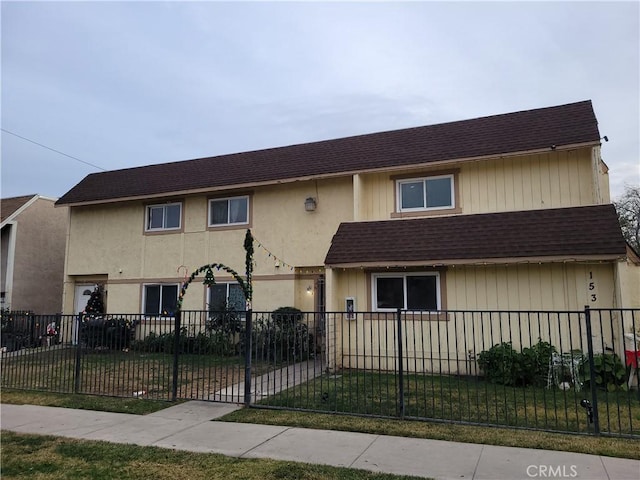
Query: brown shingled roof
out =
(8, 206)
(542, 128)
(561, 232)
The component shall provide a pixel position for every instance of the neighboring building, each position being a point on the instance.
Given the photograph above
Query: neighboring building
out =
(509, 211)
(33, 243)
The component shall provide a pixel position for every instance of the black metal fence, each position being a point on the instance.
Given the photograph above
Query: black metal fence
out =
(569, 371)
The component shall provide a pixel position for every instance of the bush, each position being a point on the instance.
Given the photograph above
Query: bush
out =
(609, 372)
(278, 336)
(282, 336)
(222, 328)
(154, 343)
(106, 332)
(535, 364)
(286, 317)
(505, 366)
(220, 337)
(498, 363)
(201, 344)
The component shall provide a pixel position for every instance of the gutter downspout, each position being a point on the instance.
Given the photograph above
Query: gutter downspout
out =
(357, 193)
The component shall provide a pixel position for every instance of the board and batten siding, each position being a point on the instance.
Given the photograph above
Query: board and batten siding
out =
(545, 180)
(526, 286)
(454, 341)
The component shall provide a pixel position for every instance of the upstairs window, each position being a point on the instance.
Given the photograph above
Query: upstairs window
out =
(415, 291)
(163, 217)
(429, 193)
(229, 211)
(160, 300)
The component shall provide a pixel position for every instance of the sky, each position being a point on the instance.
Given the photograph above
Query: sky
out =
(111, 85)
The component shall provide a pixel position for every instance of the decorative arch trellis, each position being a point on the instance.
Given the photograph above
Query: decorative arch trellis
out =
(209, 278)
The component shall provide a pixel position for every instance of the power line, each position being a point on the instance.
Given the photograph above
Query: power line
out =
(53, 149)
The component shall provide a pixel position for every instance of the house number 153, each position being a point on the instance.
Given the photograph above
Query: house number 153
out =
(593, 296)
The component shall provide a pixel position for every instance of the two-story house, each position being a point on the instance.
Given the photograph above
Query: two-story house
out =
(510, 211)
(33, 241)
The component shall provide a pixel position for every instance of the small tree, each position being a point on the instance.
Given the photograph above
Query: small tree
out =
(628, 208)
(95, 305)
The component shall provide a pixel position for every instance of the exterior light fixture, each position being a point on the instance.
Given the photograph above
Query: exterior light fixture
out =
(309, 289)
(310, 204)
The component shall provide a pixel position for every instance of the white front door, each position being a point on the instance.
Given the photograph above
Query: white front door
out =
(82, 296)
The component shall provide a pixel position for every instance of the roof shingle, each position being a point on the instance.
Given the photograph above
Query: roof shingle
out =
(541, 128)
(8, 206)
(561, 232)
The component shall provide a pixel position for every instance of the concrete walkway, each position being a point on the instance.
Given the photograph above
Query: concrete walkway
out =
(271, 382)
(188, 426)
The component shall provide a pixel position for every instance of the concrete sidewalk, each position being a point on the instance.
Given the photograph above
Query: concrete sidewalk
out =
(188, 426)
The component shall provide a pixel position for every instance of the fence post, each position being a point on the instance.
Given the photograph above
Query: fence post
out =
(247, 357)
(592, 377)
(400, 367)
(76, 379)
(176, 353)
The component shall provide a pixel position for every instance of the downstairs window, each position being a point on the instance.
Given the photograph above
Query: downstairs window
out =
(410, 291)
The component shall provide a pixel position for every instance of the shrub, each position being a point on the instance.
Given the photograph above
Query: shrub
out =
(154, 343)
(210, 343)
(609, 372)
(535, 362)
(498, 363)
(222, 328)
(282, 336)
(106, 332)
(278, 336)
(286, 317)
(505, 366)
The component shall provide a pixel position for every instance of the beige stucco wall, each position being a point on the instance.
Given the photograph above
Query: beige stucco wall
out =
(38, 268)
(110, 240)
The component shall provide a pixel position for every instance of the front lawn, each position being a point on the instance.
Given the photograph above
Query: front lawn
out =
(462, 399)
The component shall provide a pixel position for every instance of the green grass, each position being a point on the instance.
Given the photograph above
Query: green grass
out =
(137, 406)
(45, 458)
(122, 373)
(465, 399)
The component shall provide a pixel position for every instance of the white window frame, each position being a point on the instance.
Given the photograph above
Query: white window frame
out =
(144, 298)
(238, 197)
(403, 275)
(147, 217)
(424, 181)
